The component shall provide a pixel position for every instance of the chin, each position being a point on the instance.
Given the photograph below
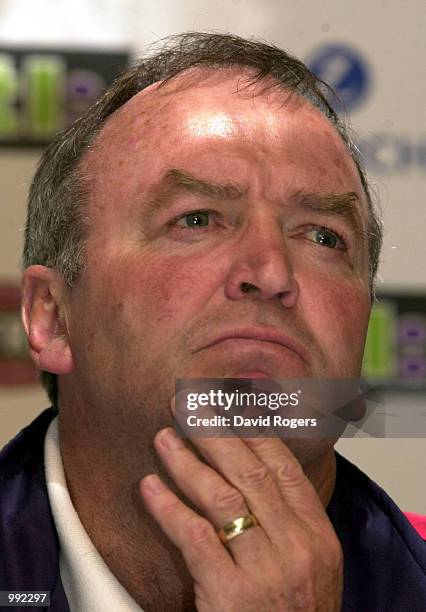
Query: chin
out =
(310, 450)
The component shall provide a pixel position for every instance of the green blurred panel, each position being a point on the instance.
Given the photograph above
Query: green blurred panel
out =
(380, 349)
(43, 91)
(9, 121)
(45, 83)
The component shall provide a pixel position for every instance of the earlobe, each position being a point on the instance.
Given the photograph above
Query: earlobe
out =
(43, 300)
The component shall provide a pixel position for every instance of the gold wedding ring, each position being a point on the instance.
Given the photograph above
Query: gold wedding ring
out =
(237, 527)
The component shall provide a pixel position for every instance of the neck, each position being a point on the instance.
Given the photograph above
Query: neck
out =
(103, 486)
(322, 475)
(149, 567)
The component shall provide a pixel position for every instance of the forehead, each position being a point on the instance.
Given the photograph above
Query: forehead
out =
(217, 122)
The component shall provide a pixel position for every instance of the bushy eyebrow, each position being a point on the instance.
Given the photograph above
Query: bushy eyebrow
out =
(345, 206)
(174, 182)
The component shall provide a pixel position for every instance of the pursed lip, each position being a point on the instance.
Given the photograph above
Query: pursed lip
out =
(263, 334)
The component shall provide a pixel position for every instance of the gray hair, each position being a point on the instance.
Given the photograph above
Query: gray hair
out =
(56, 226)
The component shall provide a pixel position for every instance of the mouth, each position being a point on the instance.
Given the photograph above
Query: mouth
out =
(251, 374)
(258, 336)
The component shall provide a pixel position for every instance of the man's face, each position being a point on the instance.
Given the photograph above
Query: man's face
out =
(196, 191)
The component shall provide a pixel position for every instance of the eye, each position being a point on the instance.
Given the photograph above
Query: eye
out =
(196, 219)
(327, 237)
(193, 219)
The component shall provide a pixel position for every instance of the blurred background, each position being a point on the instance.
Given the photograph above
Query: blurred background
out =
(57, 56)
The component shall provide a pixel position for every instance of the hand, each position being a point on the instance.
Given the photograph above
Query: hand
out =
(291, 561)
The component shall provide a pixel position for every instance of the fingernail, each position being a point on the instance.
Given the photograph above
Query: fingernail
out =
(171, 440)
(154, 484)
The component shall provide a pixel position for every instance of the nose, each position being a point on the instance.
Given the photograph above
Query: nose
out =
(262, 266)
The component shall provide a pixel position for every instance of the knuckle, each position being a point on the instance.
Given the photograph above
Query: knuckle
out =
(254, 476)
(290, 473)
(199, 530)
(228, 498)
(171, 507)
(332, 553)
(305, 558)
(305, 554)
(258, 442)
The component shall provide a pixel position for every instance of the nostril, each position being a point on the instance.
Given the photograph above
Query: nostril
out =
(246, 287)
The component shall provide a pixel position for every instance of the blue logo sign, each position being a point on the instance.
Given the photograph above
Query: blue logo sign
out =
(345, 70)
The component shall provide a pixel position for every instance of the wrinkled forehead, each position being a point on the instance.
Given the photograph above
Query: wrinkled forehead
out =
(206, 85)
(207, 107)
(208, 100)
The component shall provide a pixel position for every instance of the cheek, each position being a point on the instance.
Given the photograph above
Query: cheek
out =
(163, 290)
(338, 312)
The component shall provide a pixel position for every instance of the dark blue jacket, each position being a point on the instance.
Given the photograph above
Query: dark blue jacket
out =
(385, 558)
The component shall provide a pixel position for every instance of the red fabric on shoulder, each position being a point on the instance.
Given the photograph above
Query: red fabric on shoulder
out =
(418, 521)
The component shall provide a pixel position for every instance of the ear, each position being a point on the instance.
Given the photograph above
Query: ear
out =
(45, 319)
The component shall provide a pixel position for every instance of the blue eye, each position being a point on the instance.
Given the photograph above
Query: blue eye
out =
(196, 219)
(327, 238)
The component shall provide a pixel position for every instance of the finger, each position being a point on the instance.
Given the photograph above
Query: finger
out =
(274, 492)
(204, 554)
(238, 465)
(295, 486)
(232, 458)
(212, 494)
(272, 460)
